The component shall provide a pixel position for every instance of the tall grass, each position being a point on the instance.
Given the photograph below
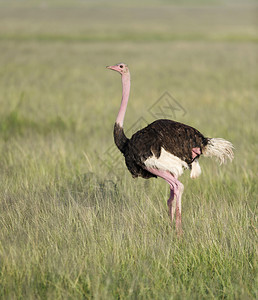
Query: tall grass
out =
(71, 228)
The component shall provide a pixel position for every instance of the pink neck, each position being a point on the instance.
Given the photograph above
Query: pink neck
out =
(125, 96)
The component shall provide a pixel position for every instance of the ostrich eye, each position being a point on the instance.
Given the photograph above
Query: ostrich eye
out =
(121, 66)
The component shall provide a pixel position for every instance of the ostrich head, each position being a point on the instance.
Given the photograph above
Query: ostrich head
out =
(120, 68)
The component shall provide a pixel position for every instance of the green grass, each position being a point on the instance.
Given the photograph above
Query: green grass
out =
(71, 228)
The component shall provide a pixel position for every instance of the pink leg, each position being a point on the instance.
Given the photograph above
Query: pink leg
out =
(196, 152)
(171, 208)
(176, 189)
(180, 190)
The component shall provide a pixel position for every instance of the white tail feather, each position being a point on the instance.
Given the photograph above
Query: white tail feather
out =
(196, 169)
(220, 148)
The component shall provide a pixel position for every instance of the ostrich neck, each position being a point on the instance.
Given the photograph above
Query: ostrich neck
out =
(125, 96)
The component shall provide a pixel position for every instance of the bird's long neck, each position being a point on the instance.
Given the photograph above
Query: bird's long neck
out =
(119, 135)
(125, 97)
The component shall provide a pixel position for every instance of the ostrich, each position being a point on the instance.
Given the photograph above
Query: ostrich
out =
(165, 148)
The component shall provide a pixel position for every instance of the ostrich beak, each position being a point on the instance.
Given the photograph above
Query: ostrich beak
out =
(109, 67)
(115, 68)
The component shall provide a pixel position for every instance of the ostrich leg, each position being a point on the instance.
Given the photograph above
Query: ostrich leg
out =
(171, 205)
(179, 192)
(176, 189)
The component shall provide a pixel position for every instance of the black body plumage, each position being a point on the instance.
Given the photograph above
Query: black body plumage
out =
(174, 137)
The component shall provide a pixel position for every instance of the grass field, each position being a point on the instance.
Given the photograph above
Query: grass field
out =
(75, 228)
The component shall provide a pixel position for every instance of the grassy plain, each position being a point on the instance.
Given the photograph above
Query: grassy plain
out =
(71, 228)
